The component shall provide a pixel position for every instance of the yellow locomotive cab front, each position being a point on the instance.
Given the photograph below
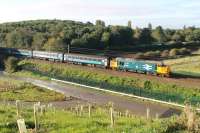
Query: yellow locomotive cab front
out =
(163, 70)
(113, 64)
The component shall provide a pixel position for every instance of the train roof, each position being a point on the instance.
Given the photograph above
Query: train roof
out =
(47, 52)
(90, 56)
(132, 59)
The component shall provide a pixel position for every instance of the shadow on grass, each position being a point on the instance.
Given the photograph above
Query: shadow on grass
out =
(182, 74)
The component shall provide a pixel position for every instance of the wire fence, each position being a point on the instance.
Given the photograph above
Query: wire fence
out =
(143, 92)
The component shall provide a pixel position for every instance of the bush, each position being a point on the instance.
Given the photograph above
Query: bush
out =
(11, 64)
(184, 51)
(165, 53)
(152, 54)
(130, 85)
(147, 85)
(139, 56)
(173, 52)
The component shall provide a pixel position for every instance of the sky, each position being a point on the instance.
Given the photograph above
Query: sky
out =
(168, 13)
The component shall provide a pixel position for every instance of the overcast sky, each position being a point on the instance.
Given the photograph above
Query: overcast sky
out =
(168, 13)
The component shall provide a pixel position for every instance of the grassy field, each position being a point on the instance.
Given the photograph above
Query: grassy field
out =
(11, 90)
(140, 87)
(187, 65)
(65, 121)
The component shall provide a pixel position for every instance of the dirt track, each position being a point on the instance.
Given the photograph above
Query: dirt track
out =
(101, 98)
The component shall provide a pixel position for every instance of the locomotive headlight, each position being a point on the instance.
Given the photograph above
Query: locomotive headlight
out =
(105, 62)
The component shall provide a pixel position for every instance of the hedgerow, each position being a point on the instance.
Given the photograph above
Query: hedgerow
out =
(130, 85)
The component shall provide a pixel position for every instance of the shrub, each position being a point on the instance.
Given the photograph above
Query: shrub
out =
(165, 53)
(184, 51)
(130, 85)
(173, 52)
(11, 64)
(152, 54)
(139, 56)
(147, 85)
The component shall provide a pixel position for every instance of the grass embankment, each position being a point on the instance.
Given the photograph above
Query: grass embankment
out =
(140, 87)
(62, 121)
(187, 66)
(11, 90)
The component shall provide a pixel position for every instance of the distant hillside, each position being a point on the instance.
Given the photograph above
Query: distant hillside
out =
(55, 35)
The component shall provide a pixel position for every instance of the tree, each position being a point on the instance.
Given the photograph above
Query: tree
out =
(100, 23)
(145, 36)
(67, 35)
(55, 44)
(78, 42)
(21, 38)
(121, 35)
(129, 24)
(11, 64)
(2, 39)
(159, 35)
(196, 35)
(177, 37)
(150, 26)
(137, 34)
(11, 39)
(169, 33)
(39, 39)
(57, 34)
(106, 39)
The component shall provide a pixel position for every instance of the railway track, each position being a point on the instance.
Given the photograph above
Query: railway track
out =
(183, 81)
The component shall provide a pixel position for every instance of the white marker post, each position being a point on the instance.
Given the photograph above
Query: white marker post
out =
(21, 126)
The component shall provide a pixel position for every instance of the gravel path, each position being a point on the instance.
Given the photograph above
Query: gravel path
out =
(135, 106)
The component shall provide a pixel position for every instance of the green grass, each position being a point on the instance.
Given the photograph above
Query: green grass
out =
(30, 74)
(187, 65)
(140, 87)
(67, 122)
(27, 92)
(7, 84)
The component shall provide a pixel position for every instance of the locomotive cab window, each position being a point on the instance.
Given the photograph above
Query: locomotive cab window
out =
(121, 63)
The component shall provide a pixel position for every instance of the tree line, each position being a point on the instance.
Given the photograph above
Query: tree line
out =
(56, 35)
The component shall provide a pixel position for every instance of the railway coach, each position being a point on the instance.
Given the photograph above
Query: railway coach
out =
(55, 56)
(99, 61)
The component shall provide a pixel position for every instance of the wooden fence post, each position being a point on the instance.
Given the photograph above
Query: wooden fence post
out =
(112, 117)
(36, 117)
(76, 110)
(54, 110)
(18, 107)
(81, 110)
(157, 116)
(148, 113)
(127, 113)
(89, 110)
(120, 114)
(42, 109)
